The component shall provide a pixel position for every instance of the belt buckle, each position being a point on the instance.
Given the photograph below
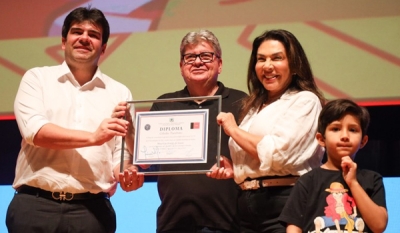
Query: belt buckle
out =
(62, 196)
(252, 184)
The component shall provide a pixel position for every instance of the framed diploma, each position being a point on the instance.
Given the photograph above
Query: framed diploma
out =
(173, 137)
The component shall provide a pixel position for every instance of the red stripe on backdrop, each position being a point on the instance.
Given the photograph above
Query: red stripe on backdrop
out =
(355, 42)
(244, 39)
(7, 117)
(11, 66)
(10, 116)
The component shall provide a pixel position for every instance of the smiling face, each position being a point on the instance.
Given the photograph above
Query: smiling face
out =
(343, 137)
(200, 74)
(83, 44)
(272, 68)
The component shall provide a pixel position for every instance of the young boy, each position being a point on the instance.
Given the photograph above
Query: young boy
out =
(337, 197)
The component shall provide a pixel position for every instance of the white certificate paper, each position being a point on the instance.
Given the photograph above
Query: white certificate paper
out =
(171, 137)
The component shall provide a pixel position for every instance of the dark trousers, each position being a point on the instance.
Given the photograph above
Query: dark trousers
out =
(198, 230)
(28, 213)
(259, 209)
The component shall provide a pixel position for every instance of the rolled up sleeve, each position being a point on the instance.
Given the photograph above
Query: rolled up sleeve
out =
(292, 139)
(29, 107)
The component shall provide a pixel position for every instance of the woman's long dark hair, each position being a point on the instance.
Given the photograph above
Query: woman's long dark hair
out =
(302, 80)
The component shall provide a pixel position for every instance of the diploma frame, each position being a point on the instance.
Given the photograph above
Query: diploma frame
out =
(218, 152)
(171, 137)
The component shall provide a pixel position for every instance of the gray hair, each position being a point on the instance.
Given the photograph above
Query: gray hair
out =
(195, 37)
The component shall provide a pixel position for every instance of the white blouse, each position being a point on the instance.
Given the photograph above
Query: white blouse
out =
(289, 145)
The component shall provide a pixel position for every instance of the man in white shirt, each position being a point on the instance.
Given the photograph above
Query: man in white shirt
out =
(69, 162)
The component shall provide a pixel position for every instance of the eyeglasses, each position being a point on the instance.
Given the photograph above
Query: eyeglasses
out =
(205, 57)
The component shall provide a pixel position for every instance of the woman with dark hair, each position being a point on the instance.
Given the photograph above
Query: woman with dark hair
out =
(275, 141)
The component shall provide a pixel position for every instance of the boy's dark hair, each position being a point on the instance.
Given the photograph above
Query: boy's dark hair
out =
(336, 109)
(92, 15)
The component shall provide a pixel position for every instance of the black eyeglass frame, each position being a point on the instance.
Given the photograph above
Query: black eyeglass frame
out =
(199, 56)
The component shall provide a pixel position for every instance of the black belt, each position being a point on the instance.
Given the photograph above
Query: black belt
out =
(60, 196)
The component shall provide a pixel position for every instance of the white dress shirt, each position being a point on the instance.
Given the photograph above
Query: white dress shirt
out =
(52, 95)
(288, 146)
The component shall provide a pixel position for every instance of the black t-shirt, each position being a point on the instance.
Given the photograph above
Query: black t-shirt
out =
(321, 196)
(190, 201)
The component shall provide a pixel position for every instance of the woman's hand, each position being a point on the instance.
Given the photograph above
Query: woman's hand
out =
(227, 121)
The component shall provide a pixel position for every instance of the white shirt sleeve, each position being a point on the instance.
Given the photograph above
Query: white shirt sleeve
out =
(29, 109)
(291, 141)
(288, 145)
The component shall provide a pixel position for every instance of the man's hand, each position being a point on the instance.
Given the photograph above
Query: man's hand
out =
(108, 129)
(131, 179)
(122, 111)
(225, 171)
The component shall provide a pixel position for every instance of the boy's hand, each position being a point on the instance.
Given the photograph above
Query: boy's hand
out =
(349, 170)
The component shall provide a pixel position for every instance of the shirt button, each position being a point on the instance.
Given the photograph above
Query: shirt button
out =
(200, 106)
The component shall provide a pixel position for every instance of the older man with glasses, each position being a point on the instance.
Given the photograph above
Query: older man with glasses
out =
(197, 203)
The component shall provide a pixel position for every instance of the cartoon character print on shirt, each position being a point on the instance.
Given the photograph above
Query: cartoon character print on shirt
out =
(340, 213)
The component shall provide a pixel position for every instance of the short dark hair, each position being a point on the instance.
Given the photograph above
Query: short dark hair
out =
(92, 15)
(336, 109)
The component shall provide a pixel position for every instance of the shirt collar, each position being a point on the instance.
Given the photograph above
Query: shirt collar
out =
(289, 92)
(224, 92)
(97, 80)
